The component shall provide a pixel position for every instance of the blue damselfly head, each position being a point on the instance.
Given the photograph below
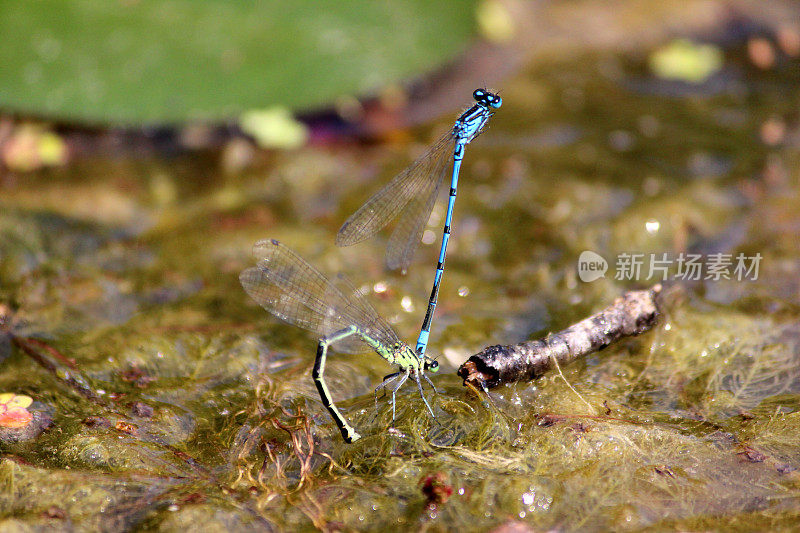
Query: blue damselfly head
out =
(487, 98)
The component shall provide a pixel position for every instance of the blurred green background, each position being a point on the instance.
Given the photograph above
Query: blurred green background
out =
(165, 61)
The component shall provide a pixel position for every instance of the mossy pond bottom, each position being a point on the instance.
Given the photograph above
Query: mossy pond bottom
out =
(174, 402)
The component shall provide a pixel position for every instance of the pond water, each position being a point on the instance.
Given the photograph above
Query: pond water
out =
(179, 403)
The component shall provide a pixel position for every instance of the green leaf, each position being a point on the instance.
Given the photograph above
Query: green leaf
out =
(162, 61)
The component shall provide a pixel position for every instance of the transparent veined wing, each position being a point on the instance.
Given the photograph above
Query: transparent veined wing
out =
(287, 286)
(409, 193)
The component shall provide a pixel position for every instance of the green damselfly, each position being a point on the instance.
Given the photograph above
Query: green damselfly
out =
(287, 286)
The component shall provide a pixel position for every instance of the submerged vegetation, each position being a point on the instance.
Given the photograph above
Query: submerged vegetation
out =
(170, 401)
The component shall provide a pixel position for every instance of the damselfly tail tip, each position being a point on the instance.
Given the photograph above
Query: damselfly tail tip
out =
(349, 439)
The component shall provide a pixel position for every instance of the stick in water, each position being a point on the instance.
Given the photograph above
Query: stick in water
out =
(632, 314)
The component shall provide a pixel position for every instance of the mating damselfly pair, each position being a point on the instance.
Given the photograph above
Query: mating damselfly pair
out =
(291, 289)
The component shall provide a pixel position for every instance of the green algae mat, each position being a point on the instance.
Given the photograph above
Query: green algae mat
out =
(140, 388)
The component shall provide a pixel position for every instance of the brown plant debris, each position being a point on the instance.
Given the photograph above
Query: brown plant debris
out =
(632, 314)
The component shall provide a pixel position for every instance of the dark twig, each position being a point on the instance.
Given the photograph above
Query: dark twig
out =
(632, 314)
(62, 367)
